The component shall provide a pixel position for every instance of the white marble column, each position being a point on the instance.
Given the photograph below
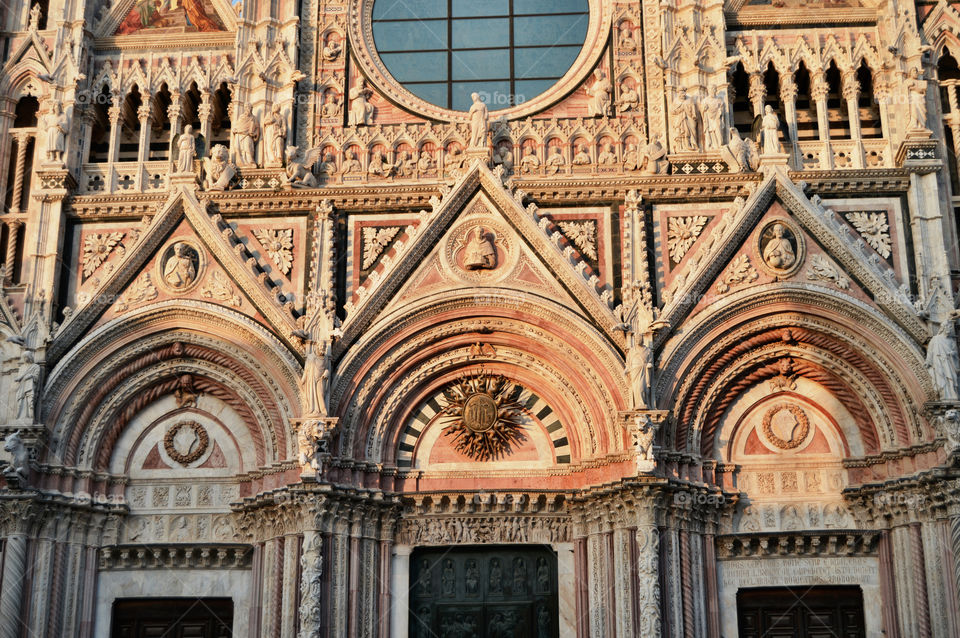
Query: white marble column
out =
(648, 580)
(311, 585)
(598, 567)
(623, 556)
(400, 586)
(567, 589)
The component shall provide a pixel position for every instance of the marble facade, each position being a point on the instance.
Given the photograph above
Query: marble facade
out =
(271, 323)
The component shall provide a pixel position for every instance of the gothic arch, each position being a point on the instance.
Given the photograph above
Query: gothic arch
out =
(862, 359)
(544, 347)
(129, 362)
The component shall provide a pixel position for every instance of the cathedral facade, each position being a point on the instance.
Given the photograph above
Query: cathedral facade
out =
(437, 318)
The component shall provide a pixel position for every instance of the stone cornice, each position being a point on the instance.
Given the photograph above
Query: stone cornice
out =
(799, 544)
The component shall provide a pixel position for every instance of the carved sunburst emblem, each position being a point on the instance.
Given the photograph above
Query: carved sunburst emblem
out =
(484, 416)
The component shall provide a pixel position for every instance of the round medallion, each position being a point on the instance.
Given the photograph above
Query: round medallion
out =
(481, 249)
(780, 248)
(785, 426)
(186, 442)
(180, 266)
(479, 412)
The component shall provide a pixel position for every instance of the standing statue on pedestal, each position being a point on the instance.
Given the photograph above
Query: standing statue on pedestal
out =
(57, 124)
(247, 131)
(942, 360)
(685, 122)
(639, 319)
(712, 107)
(478, 123)
(361, 111)
(917, 87)
(27, 382)
(186, 150)
(770, 132)
(320, 328)
(275, 132)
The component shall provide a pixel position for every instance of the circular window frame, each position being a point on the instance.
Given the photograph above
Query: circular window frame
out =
(360, 32)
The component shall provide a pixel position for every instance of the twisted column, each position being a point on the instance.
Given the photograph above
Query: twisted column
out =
(13, 236)
(23, 139)
(14, 573)
(685, 570)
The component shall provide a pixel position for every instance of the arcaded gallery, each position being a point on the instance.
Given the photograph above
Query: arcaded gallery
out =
(479, 319)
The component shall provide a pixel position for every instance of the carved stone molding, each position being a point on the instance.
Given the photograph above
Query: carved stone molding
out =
(119, 557)
(805, 544)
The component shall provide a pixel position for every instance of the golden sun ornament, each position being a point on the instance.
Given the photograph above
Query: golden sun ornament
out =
(484, 416)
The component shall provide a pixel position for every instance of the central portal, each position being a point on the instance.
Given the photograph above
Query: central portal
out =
(503, 591)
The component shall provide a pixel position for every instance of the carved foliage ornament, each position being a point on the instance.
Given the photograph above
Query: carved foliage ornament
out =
(682, 232)
(584, 236)
(186, 442)
(375, 240)
(874, 228)
(785, 420)
(96, 248)
(483, 415)
(279, 246)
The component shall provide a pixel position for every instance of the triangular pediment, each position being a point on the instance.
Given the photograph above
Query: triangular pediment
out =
(478, 235)
(780, 235)
(214, 266)
(447, 268)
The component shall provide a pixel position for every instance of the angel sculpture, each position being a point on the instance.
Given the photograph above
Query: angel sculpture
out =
(299, 171)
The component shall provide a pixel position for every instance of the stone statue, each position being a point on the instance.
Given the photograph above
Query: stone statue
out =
(27, 382)
(275, 132)
(529, 163)
(315, 380)
(643, 436)
(247, 132)
(629, 98)
(351, 164)
(581, 158)
(503, 156)
(405, 165)
(555, 160)
(942, 361)
(917, 86)
(949, 423)
(218, 170)
(424, 162)
(331, 49)
(599, 93)
(640, 371)
(186, 150)
(299, 170)
(331, 104)
(308, 444)
(653, 161)
(16, 473)
(631, 158)
(180, 271)
(741, 155)
(712, 110)
(57, 125)
(685, 122)
(779, 253)
(626, 40)
(361, 111)
(770, 132)
(607, 156)
(478, 123)
(480, 252)
(380, 166)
